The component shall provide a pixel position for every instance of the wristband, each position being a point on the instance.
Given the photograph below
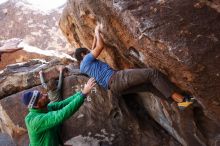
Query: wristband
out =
(83, 95)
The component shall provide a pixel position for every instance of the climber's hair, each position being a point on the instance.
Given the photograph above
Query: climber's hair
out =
(51, 85)
(80, 52)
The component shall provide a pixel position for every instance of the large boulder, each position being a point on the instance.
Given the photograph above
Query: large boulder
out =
(180, 38)
(21, 76)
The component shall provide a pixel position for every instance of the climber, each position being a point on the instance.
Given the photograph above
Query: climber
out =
(53, 90)
(43, 120)
(120, 81)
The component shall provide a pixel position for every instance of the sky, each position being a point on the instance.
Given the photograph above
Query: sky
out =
(44, 5)
(2, 1)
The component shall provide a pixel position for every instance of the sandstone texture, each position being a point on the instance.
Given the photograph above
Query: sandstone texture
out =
(179, 38)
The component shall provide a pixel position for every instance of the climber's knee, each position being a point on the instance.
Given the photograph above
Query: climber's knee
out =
(152, 72)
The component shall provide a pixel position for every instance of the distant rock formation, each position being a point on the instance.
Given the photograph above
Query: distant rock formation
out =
(16, 51)
(34, 27)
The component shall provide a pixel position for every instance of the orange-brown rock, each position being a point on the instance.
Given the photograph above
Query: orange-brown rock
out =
(174, 37)
(18, 57)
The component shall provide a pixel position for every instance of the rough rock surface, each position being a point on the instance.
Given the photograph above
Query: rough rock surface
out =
(180, 38)
(102, 120)
(17, 77)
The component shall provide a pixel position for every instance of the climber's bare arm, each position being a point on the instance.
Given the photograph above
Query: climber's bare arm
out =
(94, 42)
(98, 43)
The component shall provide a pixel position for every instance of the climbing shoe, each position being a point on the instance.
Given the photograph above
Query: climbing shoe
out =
(188, 100)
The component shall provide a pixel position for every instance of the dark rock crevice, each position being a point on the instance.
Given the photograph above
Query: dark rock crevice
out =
(151, 132)
(206, 126)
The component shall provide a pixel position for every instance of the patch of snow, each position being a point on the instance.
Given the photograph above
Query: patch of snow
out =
(46, 5)
(40, 6)
(37, 33)
(5, 11)
(29, 48)
(20, 19)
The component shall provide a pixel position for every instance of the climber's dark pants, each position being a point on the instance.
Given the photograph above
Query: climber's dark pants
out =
(136, 80)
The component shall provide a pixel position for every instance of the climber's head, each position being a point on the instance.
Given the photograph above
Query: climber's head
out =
(35, 99)
(80, 53)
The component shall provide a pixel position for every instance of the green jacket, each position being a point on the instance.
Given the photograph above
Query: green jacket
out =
(43, 126)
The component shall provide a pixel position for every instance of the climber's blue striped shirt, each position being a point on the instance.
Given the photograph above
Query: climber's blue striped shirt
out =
(97, 69)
